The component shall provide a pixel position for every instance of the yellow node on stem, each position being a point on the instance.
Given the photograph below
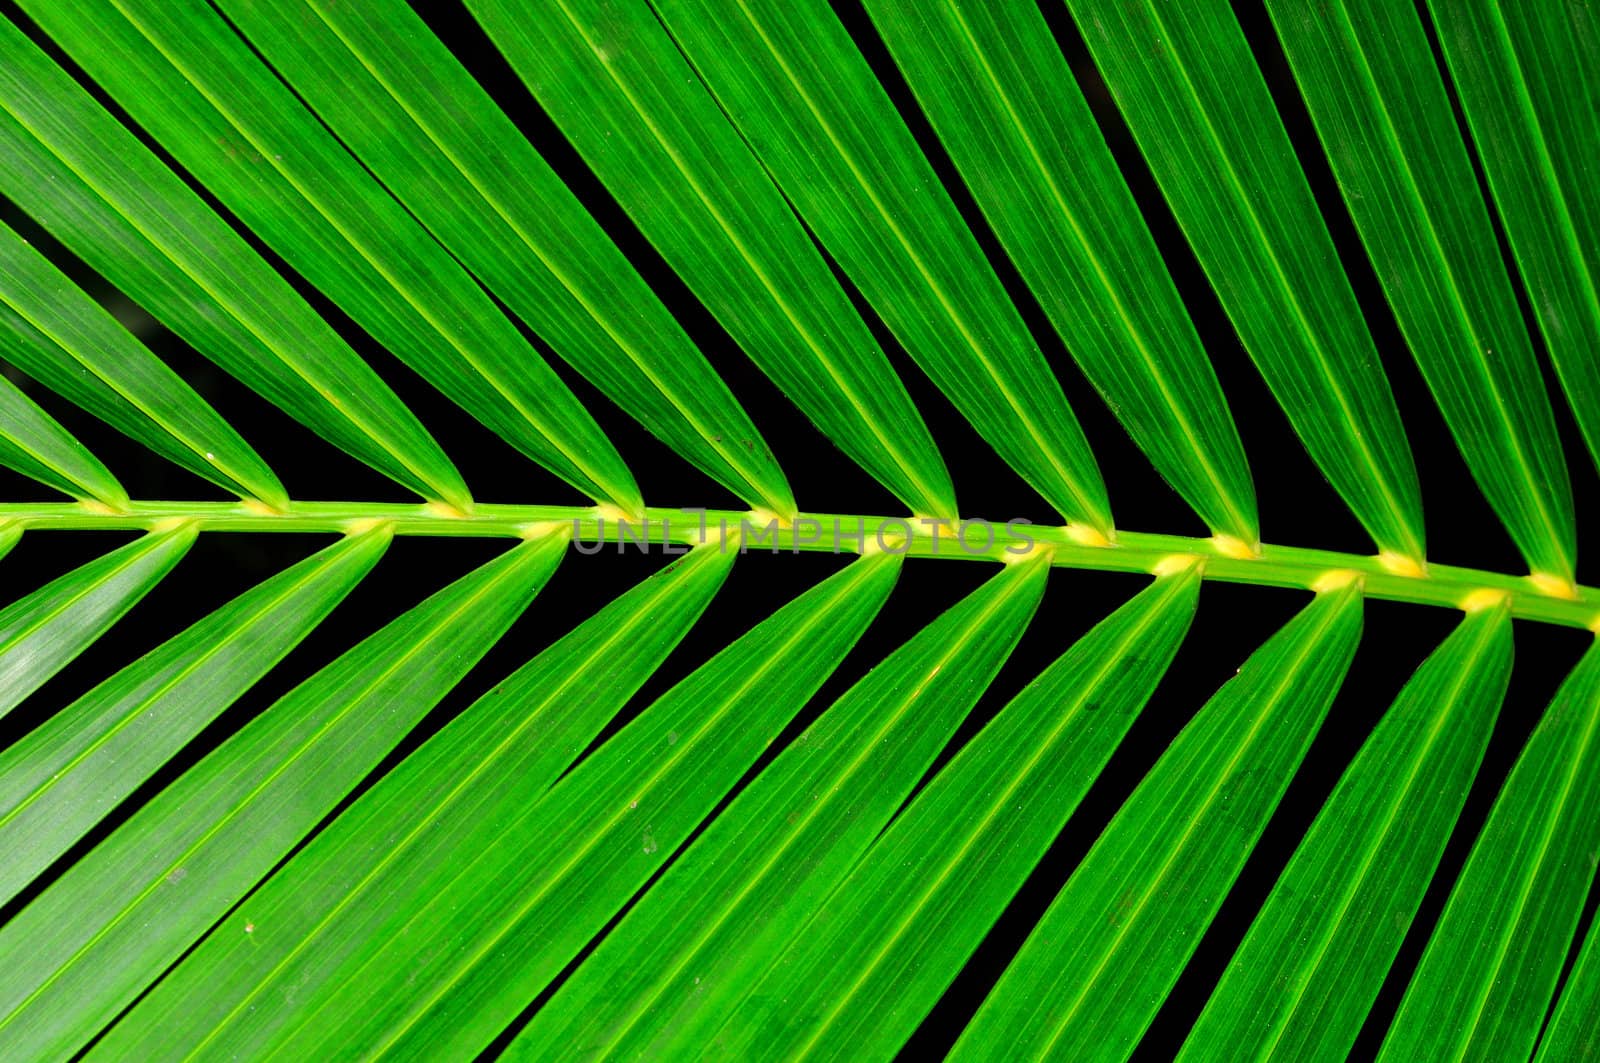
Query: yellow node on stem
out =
(1045, 553)
(765, 516)
(1085, 535)
(1553, 586)
(259, 508)
(890, 542)
(99, 508)
(1173, 564)
(1402, 565)
(1235, 547)
(539, 529)
(446, 510)
(166, 524)
(1485, 598)
(362, 525)
(1334, 580)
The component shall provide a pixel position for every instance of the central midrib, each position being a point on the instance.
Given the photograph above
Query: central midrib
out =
(597, 529)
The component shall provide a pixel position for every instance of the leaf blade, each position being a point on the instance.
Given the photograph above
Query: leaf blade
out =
(1484, 982)
(1184, 833)
(618, 89)
(1211, 134)
(1379, 105)
(571, 861)
(60, 337)
(1526, 78)
(1571, 1033)
(442, 806)
(1003, 102)
(661, 982)
(830, 138)
(195, 84)
(104, 195)
(883, 947)
(34, 444)
(40, 633)
(1313, 961)
(165, 875)
(60, 778)
(407, 108)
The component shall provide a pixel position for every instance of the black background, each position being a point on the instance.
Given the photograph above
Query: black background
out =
(1297, 508)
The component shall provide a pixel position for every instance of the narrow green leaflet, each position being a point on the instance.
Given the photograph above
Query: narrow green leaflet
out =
(1204, 120)
(787, 74)
(40, 633)
(442, 979)
(1528, 76)
(1006, 106)
(860, 975)
(190, 80)
(408, 109)
(664, 979)
(1378, 102)
(1301, 983)
(113, 203)
(54, 332)
(1574, 1030)
(1095, 970)
(114, 921)
(441, 808)
(618, 88)
(10, 535)
(1483, 987)
(34, 444)
(58, 780)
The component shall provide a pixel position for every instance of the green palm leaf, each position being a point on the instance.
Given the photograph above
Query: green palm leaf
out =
(59, 336)
(1100, 962)
(97, 189)
(1209, 130)
(749, 803)
(170, 871)
(1381, 110)
(691, 948)
(42, 632)
(1484, 984)
(1333, 925)
(857, 982)
(62, 777)
(34, 444)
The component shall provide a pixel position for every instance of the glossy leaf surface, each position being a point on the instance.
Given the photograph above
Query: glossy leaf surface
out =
(664, 979)
(1301, 982)
(617, 87)
(1206, 125)
(1001, 97)
(147, 892)
(787, 75)
(1379, 105)
(443, 147)
(1096, 968)
(53, 331)
(42, 632)
(867, 968)
(1484, 983)
(116, 205)
(34, 444)
(190, 79)
(444, 807)
(60, 779)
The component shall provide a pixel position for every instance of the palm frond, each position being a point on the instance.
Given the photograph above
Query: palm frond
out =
(763, 823)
